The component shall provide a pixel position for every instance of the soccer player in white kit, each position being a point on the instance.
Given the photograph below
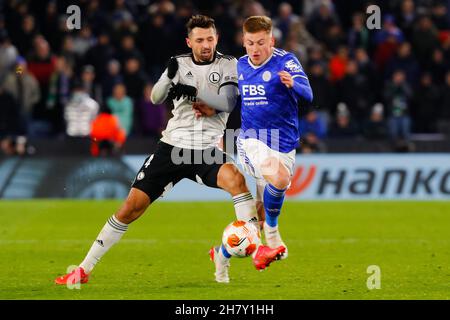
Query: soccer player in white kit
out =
(188, 147)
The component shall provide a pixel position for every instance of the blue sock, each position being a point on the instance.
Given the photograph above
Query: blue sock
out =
(273, 200)
(225, 252)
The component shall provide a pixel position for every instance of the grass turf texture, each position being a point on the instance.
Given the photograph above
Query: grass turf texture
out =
(164, 253)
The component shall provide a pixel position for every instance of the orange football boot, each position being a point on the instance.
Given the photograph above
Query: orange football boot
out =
(265, 255)
(76, 276)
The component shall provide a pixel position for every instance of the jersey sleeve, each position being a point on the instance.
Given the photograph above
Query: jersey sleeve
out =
(229, 73)
(301, 86)
(225, 98)
(294, 67)
(162, 86)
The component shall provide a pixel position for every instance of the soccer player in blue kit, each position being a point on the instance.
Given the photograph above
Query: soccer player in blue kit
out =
(271, 81)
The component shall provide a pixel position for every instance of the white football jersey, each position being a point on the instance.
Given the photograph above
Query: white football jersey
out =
(183, 129)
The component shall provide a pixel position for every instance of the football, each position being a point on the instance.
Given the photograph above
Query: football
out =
(241, 238)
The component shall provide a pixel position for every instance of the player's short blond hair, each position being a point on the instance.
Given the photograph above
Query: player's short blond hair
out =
(255, 24)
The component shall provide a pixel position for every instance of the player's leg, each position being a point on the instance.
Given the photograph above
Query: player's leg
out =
(261, 213)
(278, 178)
(273, 171)
(150, 182)
(230, 179)
(251, 153)
(226, 176)
(113, 230)
(260, 186)
(132, 208)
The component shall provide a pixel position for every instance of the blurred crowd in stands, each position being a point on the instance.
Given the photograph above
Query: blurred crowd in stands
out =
(96, 82)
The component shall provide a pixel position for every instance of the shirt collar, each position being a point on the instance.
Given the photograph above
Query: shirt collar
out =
(204, 63)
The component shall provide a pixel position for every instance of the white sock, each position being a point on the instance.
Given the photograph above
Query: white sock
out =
(272, 233)
(269, 229)
(221, 258)
(111, 233)
(245, 208)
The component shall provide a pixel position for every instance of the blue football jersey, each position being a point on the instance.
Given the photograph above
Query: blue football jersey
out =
(269, 110)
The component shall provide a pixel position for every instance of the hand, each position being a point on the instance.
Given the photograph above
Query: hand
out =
(201, 109)
(183, 90)
(172, 67)
(286, 79)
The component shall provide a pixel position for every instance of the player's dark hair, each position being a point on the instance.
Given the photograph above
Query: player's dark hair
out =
(255, 24)
(200, 21)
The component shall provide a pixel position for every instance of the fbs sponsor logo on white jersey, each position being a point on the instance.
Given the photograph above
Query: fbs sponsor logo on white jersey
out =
(292, 66)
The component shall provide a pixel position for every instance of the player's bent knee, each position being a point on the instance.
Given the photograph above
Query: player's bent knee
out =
(281, 181)
(232, 180)
(239, 182)
(275, 173)
(129, 212)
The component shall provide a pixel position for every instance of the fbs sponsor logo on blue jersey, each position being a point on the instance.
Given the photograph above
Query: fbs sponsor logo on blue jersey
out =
(253, 90)
(253, 95)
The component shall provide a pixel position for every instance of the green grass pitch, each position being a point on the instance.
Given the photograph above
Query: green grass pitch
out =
(164, 254)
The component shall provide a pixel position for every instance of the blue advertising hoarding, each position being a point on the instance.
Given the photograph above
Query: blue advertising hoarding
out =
(316, 177)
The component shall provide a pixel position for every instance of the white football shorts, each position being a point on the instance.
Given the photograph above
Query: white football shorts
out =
(252, 153)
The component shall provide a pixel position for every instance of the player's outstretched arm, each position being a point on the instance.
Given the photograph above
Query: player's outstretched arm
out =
(225, 100)
(161, 88)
